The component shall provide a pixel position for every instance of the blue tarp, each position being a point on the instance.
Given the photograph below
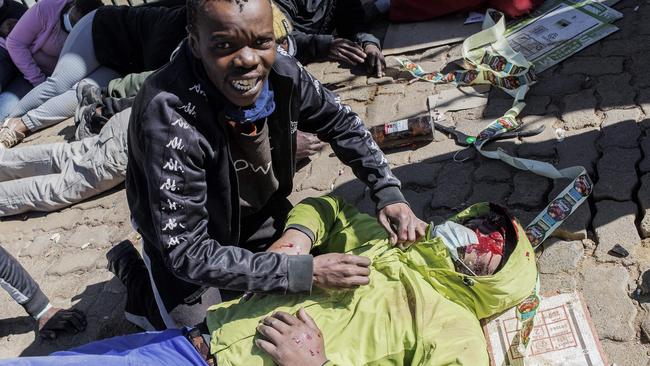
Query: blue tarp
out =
(169, 347)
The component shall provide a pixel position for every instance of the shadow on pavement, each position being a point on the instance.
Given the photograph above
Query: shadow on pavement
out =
(103, 304)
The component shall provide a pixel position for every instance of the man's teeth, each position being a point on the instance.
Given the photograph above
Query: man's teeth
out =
(244, 84)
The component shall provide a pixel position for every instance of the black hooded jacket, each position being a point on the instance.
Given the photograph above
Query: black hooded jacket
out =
(182, 187)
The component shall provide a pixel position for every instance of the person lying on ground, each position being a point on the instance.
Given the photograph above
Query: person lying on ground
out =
(53, 176)
(51, 321)
(420, 307)
(212, 158)
(34, 44)
(315, 22)
(105, 44)
(50, 177)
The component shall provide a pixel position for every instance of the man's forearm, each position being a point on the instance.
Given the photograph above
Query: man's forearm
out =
(294, 241)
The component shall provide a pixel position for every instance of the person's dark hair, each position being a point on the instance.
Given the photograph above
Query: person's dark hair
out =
(193, 7)
(84, 7)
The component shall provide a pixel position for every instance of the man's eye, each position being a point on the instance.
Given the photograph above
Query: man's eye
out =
(222, 45)
(263, 41)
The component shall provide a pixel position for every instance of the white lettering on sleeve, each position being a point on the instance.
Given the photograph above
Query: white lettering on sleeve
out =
(173, 241)
(180, 123)
(197, 89)
(176, 144)
(189, 109)
(173, 165)
(172, 224)
(169, 185)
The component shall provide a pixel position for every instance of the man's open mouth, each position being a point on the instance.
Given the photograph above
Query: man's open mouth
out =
(244, 85)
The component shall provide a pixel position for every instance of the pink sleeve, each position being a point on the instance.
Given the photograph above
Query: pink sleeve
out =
(19, 41)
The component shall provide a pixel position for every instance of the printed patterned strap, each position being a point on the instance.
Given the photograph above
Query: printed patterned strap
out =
(559, 209)
(492, 61)
(509, 83)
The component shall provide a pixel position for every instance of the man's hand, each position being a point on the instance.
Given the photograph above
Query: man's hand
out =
(292, 341)
(336, 270)
(375, 60)
(344, 50)
(401, 224)
(292, 242)
(307, 144)
(56, 321)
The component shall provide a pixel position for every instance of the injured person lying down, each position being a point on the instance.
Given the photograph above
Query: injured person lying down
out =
(422, 306)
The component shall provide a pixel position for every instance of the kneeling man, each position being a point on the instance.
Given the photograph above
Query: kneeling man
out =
(211, 162)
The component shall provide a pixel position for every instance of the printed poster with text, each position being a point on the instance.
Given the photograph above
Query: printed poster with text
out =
(560, 28)
(563, 335)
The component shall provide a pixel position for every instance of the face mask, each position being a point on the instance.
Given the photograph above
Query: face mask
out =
(67, 23)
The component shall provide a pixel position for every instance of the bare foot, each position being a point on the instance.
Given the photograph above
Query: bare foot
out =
(56, 321)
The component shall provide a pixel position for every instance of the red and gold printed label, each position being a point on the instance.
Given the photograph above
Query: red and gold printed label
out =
(526, 312)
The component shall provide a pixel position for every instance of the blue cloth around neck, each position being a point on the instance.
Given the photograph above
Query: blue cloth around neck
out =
(263, 107)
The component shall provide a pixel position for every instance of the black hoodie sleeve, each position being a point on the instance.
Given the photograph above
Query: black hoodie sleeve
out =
(322, 113)
(349, 20)
(311, 47)
(173, 156)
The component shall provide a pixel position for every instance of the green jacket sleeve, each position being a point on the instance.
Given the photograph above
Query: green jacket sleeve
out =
(335, 225)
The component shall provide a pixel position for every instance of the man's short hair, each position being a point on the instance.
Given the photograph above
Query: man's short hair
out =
(193, 7)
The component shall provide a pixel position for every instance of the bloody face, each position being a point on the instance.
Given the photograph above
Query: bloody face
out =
(236, 46)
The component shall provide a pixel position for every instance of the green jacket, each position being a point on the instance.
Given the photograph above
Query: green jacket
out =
(416, 310)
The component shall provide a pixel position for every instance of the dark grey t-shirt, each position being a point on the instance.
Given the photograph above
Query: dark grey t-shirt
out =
(251, 154)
